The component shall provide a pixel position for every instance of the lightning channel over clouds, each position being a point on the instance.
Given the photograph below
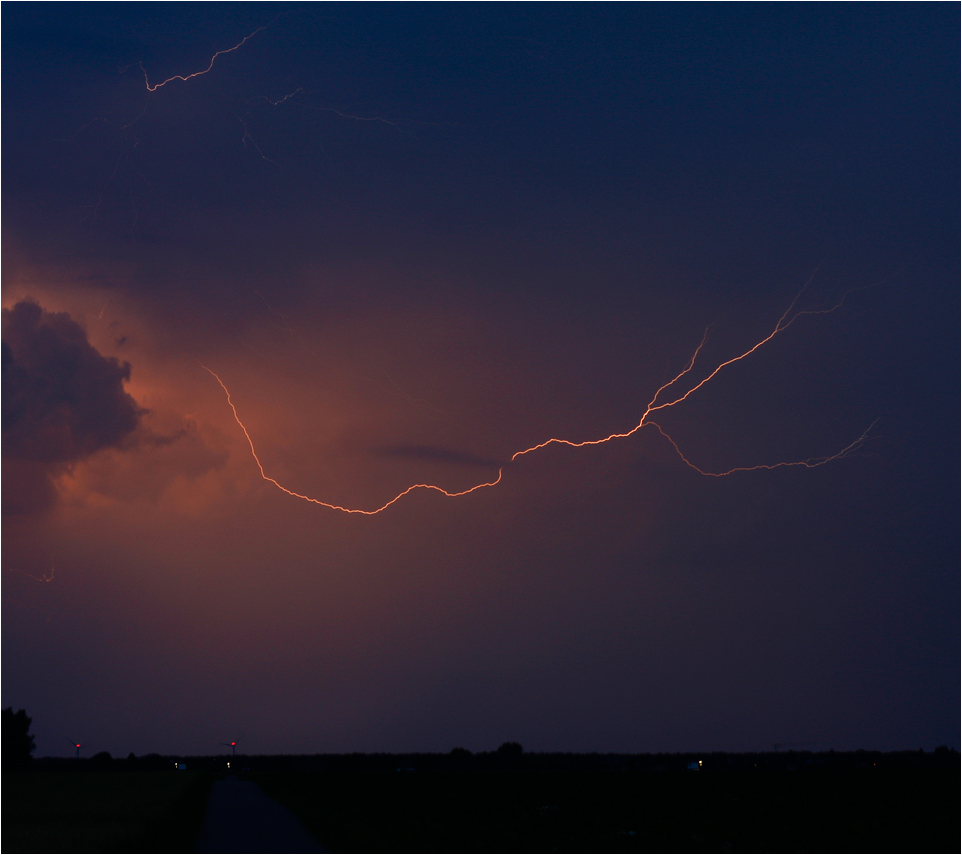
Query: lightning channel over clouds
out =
(786, 320)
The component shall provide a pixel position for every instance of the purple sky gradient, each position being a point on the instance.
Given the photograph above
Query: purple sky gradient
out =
(468, 230)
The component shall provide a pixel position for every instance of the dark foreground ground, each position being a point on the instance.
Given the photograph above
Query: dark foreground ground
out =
(523, 811)
(86, 809)
(500, 802)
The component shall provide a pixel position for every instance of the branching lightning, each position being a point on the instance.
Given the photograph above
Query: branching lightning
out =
(122, 166)
(247, 139)
(786, 320)
(808, 463)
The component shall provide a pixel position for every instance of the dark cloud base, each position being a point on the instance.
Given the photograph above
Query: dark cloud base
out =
(62, 402)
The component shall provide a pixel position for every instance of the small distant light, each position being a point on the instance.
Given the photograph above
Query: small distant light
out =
(699, 762)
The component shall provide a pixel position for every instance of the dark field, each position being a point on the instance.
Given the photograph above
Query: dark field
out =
(523, 803)
(522, 811)
(103, 810)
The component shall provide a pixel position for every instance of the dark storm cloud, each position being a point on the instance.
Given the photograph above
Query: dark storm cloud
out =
(62, 401)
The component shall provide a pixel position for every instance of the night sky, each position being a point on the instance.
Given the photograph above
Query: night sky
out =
(412, 241)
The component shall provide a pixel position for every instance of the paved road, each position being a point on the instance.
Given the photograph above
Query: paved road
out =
(240, 818)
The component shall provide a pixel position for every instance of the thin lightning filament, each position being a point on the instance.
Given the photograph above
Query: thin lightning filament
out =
(333, 507)
(154, 87)
(786, 320)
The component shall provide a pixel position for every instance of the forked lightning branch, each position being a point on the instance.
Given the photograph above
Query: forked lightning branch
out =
(670, 392)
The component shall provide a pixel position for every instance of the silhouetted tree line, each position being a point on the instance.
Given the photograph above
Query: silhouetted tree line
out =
(511, 757)
(103, 761)
(462, 760)
(18, 747)
(18, 743)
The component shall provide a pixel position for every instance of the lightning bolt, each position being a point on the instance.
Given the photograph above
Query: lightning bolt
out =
(123, 166)
(47, 577)
(333, 507)
(248, 139)
(808, 463)
(786, 320)
(213, 59)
